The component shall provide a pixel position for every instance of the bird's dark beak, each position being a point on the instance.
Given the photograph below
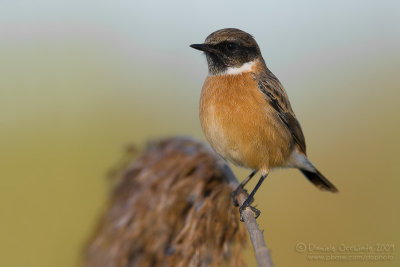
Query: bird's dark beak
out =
(203, 47)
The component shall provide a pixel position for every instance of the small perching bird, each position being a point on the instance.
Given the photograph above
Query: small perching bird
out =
(245, 112)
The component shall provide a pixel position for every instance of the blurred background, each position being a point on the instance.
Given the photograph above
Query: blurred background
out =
(81, 80)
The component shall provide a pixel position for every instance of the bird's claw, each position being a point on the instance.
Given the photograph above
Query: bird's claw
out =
(247, 204)
(234, 195)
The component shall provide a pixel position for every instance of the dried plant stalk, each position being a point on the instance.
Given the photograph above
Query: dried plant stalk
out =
(170, 207)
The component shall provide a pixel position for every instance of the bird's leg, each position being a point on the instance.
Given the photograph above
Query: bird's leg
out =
(241, 186)
(250, 199)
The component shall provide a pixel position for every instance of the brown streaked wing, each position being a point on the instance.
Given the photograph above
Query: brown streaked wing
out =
(277, 98)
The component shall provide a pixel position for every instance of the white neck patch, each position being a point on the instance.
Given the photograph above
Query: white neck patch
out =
(246, 67)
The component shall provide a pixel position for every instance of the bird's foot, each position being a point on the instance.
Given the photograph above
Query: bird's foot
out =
(247, 204)
(235, 193)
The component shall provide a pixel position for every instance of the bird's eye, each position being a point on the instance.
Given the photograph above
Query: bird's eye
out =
(231, 46)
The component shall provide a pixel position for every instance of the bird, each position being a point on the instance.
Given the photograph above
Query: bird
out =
(246, 115)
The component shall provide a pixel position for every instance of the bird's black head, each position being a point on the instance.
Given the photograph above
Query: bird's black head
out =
(228, 49)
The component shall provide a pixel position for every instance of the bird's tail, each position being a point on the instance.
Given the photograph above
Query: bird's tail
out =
(319, 180)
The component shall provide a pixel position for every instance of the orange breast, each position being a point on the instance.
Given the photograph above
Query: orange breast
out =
(240, 125)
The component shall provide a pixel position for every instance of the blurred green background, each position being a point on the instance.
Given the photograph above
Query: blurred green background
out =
(80, 80)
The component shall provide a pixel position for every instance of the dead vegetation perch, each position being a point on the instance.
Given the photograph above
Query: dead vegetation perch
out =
(172, 206)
